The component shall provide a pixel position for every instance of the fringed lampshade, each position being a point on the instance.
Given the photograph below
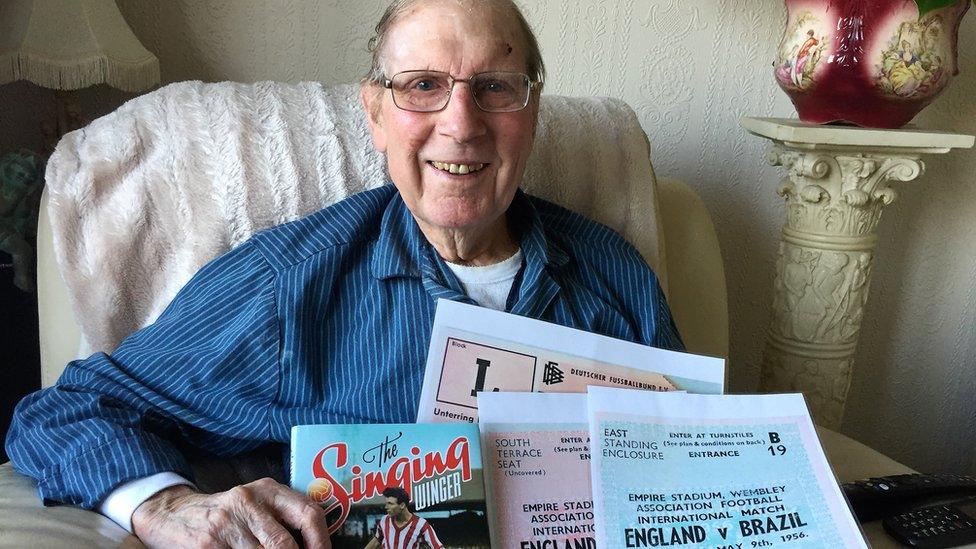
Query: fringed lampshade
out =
(72, 44)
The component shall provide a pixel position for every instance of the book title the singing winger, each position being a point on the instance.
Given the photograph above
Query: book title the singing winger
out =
(405, 485)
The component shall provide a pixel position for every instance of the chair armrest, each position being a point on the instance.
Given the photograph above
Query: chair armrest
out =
(59, 332)
(696, 275)
(852, 460)
(24, 522)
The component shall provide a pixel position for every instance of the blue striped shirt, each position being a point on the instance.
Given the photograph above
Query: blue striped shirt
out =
(323, 320)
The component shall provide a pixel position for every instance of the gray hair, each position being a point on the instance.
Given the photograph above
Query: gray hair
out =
(534, 65)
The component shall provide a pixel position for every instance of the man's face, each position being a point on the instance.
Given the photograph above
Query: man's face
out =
(461, 39)
(393, 507)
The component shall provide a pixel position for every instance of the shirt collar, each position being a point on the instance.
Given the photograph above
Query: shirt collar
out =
(402, 249)
(400, 245)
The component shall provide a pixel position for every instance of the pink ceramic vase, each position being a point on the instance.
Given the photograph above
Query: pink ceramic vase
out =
(874, 63)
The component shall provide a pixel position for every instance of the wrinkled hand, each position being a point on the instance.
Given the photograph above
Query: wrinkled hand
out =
(258, 514)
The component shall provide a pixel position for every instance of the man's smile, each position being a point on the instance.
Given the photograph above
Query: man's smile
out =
(457, 168)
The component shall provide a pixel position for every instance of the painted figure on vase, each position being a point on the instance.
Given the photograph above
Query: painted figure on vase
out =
(912, 64)
(784, 69)
(801, 58)
(800, 53)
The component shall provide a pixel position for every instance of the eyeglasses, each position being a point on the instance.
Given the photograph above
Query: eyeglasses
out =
(430, 91)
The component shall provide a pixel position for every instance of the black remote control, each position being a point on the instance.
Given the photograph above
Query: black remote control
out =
(952, 525)
(879, 497)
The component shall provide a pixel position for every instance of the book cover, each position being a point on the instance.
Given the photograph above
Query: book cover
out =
(404, 485)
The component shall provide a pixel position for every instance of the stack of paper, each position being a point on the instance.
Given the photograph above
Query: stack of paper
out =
(590, 441)
(662, 469)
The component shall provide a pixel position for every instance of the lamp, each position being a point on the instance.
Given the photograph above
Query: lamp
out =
(62, 45)
(72, 44)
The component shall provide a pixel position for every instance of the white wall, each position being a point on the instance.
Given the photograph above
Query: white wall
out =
(690, 70)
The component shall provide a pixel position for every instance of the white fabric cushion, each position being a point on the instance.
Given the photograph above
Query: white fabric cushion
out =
(143, 197)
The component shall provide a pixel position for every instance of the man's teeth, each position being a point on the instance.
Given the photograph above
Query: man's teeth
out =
(457, 169)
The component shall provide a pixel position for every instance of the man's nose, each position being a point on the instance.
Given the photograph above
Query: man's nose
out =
(462, 119)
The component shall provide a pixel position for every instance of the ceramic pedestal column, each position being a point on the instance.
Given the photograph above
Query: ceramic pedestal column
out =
(836, 190)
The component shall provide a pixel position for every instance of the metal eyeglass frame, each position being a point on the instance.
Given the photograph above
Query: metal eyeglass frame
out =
(388, 84)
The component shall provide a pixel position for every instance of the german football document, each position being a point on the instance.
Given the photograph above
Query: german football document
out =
(685, 470)
(476, 349)
(536, 455)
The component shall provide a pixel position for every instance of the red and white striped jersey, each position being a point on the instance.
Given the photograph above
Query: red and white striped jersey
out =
(415, 534)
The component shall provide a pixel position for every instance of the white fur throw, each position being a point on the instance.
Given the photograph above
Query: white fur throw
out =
(143, 197)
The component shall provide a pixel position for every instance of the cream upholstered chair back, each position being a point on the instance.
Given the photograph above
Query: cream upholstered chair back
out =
(140, 199)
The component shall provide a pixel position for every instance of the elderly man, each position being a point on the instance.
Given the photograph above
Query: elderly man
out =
(327, 319)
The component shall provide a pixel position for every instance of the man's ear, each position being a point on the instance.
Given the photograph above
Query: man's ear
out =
(371, 96)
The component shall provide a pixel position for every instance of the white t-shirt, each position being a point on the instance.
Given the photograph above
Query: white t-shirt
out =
(489, 285)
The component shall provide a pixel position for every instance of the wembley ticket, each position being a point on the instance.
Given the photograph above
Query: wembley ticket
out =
(688, 470)
(536, 455)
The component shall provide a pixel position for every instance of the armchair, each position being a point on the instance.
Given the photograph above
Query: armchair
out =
(141, 198)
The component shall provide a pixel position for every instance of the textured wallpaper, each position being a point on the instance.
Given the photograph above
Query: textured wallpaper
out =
(690, 70)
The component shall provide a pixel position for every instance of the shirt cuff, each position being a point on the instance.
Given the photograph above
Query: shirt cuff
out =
(123, 501)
